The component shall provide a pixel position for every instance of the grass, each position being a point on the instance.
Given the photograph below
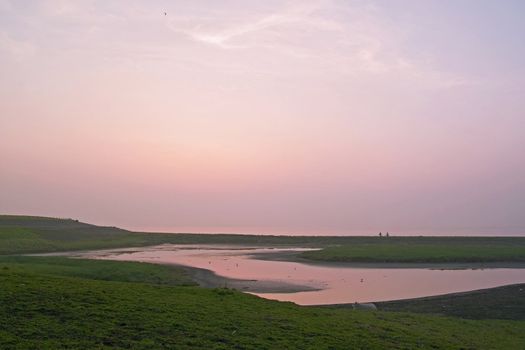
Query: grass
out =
(29, 234)
(56, 312)
(97, 269)
(25, 234)
(58, 302)
(507, 302)
(425, 251)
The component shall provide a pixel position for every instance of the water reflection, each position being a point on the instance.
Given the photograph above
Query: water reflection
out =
(340, 284)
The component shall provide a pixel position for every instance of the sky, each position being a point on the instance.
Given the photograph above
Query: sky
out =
(282, 117)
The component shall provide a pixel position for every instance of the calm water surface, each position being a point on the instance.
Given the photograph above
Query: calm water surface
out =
(340, 284)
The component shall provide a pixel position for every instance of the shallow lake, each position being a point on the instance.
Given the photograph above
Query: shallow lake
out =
(336, 283)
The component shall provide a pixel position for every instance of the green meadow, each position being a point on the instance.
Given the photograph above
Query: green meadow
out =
(27, 234)
(50, 302)
(43, 305)
(104, 270)
(506, 303)
(477, 250)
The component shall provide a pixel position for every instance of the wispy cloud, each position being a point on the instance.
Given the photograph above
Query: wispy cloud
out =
(298, 37)
(224, 37)
(242, 32)
(15, 48)
(349, 39)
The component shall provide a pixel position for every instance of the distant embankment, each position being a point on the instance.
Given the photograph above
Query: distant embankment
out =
(34, 234)
(426, 250)
(31, 234)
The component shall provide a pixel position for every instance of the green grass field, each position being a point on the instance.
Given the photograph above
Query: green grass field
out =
(443, 251)
(97, 269)
(26, 234)
(64, 303)
(42, 308)
(506, 303)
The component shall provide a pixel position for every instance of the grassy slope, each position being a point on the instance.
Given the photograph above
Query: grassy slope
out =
(28, 234)
(445, 250)
(507, 302)
(52, 312)
(97, 269)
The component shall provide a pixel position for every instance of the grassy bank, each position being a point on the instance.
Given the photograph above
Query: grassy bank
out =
(443, 250)
(97, 269)
(49, 311)
(30, 234)
(507, 302)
(26, 234)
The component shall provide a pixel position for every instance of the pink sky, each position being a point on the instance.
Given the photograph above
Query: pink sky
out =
(317, 117)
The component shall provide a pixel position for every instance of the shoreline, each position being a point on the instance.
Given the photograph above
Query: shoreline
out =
(444, 300)
(294, 257)
(209, 279)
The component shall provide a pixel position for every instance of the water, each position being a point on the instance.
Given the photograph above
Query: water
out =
(337, 283)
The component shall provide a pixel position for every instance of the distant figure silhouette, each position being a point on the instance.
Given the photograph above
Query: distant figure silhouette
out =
(380, 234)
(165, 13)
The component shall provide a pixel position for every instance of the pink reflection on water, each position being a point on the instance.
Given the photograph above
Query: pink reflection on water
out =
(363, 285)
(340, 284)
